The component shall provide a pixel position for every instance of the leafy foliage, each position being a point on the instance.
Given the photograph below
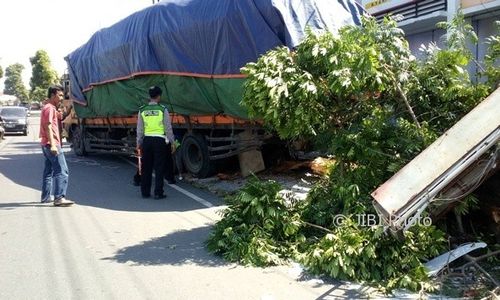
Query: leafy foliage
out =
(42, 74)
(13, 84)
(458, 34)
(443, 90)
(326, 80)
(38, 95)
(259, 227)
(361, 96)
(351, 252)
(287, 98)
(491, 59)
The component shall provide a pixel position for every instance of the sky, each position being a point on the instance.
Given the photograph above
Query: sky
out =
(56, 26)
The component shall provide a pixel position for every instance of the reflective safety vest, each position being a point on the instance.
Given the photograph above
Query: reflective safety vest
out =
(152, 115)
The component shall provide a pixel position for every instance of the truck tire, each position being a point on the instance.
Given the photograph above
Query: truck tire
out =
(195, 156)
(78, 142)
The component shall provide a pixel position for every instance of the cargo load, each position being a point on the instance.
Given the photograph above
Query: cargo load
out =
(193, 50)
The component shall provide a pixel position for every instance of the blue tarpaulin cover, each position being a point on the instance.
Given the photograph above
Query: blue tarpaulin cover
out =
(200, 38)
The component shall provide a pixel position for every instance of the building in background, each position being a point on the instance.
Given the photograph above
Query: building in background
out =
(420, 18)
(7, 100)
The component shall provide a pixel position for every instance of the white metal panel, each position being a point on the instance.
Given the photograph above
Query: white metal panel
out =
(435, 265)
(427, 168)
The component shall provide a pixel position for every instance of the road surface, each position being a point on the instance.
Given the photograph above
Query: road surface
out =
(112, 244)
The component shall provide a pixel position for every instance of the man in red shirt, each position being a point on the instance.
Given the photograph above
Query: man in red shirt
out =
(56, 170)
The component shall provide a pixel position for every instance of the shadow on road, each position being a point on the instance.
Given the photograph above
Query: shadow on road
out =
(178, 248)
(347, 290)
(22, 169)
(103, 181)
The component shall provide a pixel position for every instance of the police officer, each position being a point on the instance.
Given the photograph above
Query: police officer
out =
(155, 140)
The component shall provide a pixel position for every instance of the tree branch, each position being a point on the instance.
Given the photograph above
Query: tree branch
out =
(408, 106)
(403, 96)
(317, 227)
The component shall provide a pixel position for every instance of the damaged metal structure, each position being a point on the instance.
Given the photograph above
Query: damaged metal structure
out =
(448, 170)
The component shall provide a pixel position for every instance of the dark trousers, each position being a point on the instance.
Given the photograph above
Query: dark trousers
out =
(154, 153)
(169, 164)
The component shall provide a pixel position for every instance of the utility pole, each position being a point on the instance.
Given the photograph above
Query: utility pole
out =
(452, 6)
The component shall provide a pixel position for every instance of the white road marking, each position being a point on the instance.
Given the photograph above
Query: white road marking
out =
(191, 195)
(179, 189)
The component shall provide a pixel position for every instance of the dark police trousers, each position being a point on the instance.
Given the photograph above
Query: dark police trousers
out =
(154, 154)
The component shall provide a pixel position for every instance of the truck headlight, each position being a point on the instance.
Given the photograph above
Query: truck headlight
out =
(21, 121)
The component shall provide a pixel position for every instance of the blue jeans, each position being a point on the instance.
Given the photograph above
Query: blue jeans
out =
(55, 172)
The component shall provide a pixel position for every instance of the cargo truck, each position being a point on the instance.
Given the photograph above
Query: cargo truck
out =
(193, 50)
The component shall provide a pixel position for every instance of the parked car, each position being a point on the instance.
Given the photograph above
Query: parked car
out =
(15, 119)
(35, 106)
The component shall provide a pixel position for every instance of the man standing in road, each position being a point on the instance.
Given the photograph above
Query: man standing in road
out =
(56, 170)
(155, 142)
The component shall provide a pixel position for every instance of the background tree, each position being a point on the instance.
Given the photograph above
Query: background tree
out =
(38, 95)
(13, 84)
(42, 75)
(1, 72)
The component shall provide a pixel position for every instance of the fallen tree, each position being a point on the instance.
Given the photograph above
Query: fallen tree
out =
(361, 96)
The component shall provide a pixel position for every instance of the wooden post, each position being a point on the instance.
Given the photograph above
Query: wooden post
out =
(251, 161)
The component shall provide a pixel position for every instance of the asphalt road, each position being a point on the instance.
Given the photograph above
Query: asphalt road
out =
(112, 244)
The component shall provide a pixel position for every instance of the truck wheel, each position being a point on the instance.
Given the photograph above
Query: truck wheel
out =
(195, 156)
(77, 142)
